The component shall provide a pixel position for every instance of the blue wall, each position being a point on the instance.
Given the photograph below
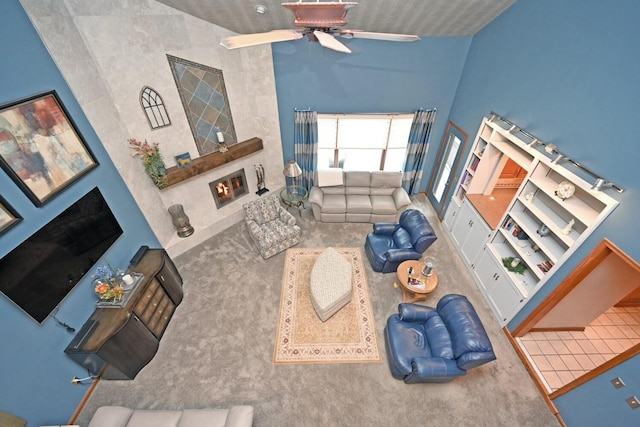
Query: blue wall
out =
(378, 77)
(35, 374)
(568, 72)
(565, 71)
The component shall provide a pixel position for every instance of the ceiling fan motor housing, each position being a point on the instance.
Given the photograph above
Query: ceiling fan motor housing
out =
(320, 15)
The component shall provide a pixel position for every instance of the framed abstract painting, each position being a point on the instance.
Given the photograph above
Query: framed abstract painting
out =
(8, 217)
(40, 147)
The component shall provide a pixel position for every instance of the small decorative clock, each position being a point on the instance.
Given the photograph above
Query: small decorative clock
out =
(565, 190)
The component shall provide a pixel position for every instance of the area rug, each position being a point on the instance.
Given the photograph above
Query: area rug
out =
(349, 336)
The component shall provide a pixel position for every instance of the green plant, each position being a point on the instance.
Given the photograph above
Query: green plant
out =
(152, 159)
(520, 268)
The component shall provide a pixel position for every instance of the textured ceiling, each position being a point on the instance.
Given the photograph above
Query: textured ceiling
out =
(419, 17)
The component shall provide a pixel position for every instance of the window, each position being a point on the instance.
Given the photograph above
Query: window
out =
(154, 108)
(363, 142)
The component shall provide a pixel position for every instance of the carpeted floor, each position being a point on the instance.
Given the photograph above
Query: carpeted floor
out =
(218, 348)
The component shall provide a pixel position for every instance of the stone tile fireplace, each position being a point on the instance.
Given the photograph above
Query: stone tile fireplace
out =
(229, 188)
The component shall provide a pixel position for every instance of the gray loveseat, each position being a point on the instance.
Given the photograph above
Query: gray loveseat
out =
(355, 196)
(119, 416)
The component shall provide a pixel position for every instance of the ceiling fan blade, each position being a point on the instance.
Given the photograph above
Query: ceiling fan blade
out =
(330, 42)
(246, 40)
(356, 34)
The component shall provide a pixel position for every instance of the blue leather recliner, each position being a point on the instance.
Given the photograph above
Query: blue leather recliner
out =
(389, 244)
(436, 345)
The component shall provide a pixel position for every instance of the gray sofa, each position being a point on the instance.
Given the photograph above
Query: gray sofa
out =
(119, 416)
(358, 197)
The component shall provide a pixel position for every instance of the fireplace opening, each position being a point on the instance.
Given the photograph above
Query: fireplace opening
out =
(228, 188)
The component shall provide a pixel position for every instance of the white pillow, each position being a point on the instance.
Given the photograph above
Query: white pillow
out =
(329, 177)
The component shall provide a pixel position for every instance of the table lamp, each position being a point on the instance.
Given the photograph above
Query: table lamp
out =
(292, 170)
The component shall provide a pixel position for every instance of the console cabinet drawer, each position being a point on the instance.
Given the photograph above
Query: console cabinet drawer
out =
(160, 318)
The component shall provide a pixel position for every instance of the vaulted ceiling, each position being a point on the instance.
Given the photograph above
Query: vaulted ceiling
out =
(419, 17)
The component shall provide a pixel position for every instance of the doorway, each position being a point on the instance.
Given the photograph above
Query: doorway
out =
(454, 143)
(587, 325)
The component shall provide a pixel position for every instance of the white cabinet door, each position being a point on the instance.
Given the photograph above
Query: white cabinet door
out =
(463, 224)
(503, 296)
(451, 215)
(470, 233)
(476, 241)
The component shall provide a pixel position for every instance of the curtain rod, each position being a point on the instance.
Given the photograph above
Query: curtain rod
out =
(365, 114)
(377, 114)
(560, 158)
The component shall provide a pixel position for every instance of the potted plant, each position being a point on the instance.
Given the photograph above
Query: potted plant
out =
(152, 160)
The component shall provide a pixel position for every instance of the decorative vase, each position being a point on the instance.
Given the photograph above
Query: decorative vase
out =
(156, 169)
(543, 230)
(180, 221)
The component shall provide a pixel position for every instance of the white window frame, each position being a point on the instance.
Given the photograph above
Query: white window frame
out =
(386, 132)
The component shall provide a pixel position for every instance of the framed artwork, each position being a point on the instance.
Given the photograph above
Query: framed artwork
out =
(8, 217)
(40, 147)
(183, 160)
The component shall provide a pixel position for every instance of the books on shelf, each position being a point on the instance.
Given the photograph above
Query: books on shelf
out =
(466, 179)
(545, 266)
(474, 163)
(508, 224)
(515, 230)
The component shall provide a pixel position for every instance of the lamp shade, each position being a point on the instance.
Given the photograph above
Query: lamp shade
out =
(291, 169)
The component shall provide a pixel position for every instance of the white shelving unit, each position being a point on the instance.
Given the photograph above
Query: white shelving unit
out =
(567, 223)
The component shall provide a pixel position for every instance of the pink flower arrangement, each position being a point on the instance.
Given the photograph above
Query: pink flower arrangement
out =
(143, 149)
(152, 160)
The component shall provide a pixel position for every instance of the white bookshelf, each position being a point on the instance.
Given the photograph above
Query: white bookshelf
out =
(535, 204)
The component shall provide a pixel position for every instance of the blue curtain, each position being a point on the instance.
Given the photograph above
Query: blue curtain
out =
(417, 149)
(305, 140)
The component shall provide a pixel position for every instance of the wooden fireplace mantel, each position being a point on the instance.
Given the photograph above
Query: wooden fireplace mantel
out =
(213, 160)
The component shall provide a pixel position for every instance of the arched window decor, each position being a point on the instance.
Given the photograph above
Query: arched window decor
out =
(154, 108)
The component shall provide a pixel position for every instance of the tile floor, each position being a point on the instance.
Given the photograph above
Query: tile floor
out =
(560, 357)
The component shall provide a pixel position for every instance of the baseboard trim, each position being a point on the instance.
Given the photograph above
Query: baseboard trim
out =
(84, 400)
(541, 387)
(571, 329)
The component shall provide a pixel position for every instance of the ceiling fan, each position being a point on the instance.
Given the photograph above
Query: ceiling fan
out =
(320, 22)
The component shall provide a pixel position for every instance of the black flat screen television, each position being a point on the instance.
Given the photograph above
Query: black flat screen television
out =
(40, 272)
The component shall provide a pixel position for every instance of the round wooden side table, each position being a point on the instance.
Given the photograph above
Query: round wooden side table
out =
(414, 293)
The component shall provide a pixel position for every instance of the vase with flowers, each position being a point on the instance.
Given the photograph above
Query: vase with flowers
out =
(107, 285)
(152, 160)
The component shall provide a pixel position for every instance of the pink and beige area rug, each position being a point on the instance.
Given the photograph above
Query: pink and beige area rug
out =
(349, 336)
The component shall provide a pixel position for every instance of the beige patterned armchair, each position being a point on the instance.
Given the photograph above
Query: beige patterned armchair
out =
(271, 227)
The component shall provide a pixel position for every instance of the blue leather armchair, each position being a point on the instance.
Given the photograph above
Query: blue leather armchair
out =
(436, 345)
(392, 243)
